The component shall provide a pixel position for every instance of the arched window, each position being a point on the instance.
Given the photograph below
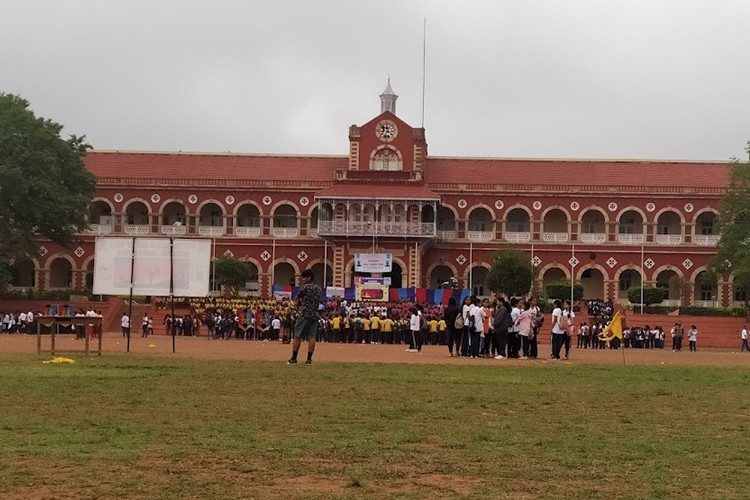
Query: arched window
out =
(386, 159)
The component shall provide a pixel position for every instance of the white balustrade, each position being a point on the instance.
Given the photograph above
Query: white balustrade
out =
(479, 235)
(669, 239)
(174, 230)
(212, 231)
(375, 228)
(99, 229)
(285, 232)
(706, 240)
(446, 235)
(517, 237)
(630, 239)
(595, 238)
(247, 231)
(136, 229)
(670, 303)
(705, 303)
(554, 237)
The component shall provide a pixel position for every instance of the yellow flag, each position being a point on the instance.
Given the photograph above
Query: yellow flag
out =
(613, 329)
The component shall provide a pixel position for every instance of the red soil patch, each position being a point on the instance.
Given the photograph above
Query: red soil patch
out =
(203, 348)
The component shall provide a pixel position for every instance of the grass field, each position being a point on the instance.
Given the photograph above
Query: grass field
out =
(151, 427)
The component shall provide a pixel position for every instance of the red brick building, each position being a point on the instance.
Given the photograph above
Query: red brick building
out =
(440, 217)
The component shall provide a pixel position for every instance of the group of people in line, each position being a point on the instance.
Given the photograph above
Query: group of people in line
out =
(26, 323)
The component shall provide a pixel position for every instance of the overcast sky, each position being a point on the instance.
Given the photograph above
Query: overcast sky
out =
(662, 79)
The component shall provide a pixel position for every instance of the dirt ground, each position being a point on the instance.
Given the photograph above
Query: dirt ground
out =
(204, 348)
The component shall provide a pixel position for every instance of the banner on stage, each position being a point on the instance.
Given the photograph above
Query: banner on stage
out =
(335, 292)
(373, 262)
(372, 293)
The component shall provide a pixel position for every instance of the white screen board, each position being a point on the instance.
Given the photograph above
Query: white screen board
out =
(151, 269)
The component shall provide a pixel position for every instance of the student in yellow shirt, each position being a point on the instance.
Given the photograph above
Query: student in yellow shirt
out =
(386, 330)
(336, 328)
(366, 330)
(375, 329)
(347, 331)
(442, 331)
(433, 329)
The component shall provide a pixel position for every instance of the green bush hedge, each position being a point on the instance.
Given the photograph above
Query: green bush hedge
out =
(737, 312)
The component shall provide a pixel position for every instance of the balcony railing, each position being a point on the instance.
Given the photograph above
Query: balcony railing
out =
(285, 232)
(480, 235)
(247, 231)
(554, 237)
(706, 240)
(705, 303)
(669, 239)
(374, 228)
(212, 231)
(99, 229)
(596, 238)
(446, 235)
(174, 230)
(630, 239)
(136, 229)
(517, 237)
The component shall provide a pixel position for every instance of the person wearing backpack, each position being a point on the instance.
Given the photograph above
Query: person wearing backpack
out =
(450, 315)
(558, 330)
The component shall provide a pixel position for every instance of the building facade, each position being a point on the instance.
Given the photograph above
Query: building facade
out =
(607, 223)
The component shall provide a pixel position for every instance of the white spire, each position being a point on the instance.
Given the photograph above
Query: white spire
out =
(388, 99)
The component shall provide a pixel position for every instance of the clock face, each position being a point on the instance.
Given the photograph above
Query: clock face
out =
(386, 131)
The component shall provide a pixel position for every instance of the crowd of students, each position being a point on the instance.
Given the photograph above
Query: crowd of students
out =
(500, 328)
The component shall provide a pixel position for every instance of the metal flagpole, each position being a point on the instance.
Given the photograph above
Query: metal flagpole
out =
(325, 265)
(273, 265)
(532, 267)
(471, 266)
(213, 268)
(643, 275)
(171, 290)
(130, 301)
(572, 273)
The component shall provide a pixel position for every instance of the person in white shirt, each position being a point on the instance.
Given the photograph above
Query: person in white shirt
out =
(558, 332)
(22, 322)
(743, 335)
(29, 322)
(125, 324)
(415, 329)
(514, 341)
(466, 334)
(693, 338)
(568, 314)
(275, 328)
(478, 313)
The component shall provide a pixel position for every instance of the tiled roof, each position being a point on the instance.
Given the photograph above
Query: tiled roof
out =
(577, 172)
(645, 173)
(393, 192)
(213, 166)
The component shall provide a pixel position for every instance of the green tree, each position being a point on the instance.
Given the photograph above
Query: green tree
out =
(511, 273)
(45, 189)
(561, 290)
(733, 249)
(651, 295)
(232, 273)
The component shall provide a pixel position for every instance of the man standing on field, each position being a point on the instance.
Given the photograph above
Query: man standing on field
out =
(306, 326)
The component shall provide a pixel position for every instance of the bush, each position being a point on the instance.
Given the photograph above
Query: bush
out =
(651, 295)
(561, 290)
(737, 312)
